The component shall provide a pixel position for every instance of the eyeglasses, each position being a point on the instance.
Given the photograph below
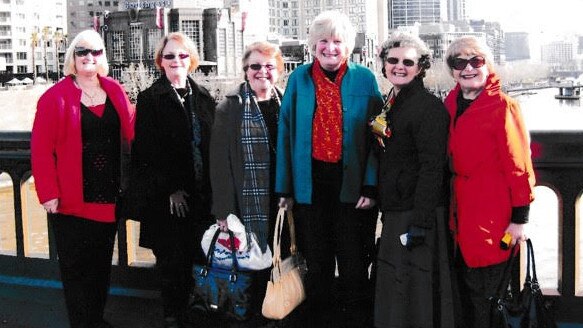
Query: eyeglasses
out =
(395, 61)
(82, 52)
(257, 67)
(461, 63)
(172, 56)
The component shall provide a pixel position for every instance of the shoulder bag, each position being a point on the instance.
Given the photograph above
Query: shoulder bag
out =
(285, 289)
(528, 308)
(223, 290)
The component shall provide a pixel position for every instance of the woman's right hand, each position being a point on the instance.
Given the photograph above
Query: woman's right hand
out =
(178, 203)
(223, 225)
(286, 203)
(51, 205)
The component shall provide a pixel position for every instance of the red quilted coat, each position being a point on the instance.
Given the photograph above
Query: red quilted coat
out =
(490, 156)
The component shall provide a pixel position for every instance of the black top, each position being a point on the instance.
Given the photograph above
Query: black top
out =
(101, 154)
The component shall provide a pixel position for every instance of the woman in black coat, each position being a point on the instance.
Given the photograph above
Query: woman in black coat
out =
(170, 158)
(413, 287)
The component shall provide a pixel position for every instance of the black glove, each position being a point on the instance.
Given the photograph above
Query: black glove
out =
(415, 236)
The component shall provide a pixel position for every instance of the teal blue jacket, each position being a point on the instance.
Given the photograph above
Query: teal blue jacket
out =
(359, 92)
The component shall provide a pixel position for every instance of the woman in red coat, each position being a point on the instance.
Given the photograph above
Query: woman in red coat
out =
(493, 176)
(82, 125)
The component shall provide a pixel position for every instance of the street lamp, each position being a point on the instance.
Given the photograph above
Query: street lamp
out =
(33, 44)
(46, 37)
(58, 37)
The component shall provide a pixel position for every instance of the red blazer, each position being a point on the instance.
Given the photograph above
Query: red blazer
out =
(56, 146)
(490, 156)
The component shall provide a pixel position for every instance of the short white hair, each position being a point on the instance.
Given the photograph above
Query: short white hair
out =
(332, 23)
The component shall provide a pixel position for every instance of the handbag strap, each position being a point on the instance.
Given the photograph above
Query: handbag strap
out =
(210, 255)
(278, 232)
(531, 265)
(506, 274)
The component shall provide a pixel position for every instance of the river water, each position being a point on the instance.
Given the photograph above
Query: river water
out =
(541, 112)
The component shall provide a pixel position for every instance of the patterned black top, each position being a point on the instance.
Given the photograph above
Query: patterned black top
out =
(101, 154)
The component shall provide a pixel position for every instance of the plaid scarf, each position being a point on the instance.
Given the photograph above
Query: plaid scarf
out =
(256, 191)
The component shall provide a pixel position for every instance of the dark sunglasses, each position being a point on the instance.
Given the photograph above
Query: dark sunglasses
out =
(257, 67)
(406, 62)
(82, 52)
(172, 56)
(461, 63)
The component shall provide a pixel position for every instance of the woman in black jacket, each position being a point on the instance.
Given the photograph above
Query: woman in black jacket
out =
(170, 157)
(412, 151)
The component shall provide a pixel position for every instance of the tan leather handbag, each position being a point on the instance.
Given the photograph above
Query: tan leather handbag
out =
(285, 289)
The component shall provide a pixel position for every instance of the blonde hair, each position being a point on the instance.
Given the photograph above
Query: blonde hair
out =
(469, 46)
(267, 49)
(185, 42)
(94, 40)
(332, 23)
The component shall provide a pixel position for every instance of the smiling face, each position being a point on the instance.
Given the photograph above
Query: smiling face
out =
(176, 66)
(87, 62)
(398, 68)
(261, 73)
(331, 53)
(472, 80)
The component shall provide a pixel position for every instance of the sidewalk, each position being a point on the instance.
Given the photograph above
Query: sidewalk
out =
(44, 307)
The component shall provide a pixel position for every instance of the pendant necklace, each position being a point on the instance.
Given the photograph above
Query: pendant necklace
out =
(89, 96)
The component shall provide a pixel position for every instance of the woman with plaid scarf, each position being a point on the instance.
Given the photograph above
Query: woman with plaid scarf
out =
(242, 154)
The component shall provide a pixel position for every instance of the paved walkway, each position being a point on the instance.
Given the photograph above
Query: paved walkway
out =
(42, 307)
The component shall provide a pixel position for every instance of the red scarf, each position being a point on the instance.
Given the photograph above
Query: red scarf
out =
(327, 123)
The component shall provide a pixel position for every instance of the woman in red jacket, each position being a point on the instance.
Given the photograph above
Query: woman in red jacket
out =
(493, 176)
(82, 125)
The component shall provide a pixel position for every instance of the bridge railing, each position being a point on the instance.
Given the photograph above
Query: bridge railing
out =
(558, 161)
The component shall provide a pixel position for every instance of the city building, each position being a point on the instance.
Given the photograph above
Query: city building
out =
(409, 12)
(85, 14)
(131, 36)
(557, 53)
(32, 36)
(517, 46)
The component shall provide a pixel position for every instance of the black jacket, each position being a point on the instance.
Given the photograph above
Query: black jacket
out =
(412, 167)
(162, 156)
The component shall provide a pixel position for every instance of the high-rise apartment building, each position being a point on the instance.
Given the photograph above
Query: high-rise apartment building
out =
(408, 12)
(32, 35)
(291, 19)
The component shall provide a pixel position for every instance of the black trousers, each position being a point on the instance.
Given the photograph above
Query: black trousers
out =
(330, 232)
(176, 247)
(85, 249)
(477, 286)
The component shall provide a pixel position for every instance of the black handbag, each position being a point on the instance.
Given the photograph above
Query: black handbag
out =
(526, 309)
(219, 290)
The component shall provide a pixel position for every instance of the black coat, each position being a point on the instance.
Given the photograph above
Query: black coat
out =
(412, 168)
(162, 156)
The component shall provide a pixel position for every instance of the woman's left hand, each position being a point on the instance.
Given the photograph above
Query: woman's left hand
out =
(365, 203)
(516, 230)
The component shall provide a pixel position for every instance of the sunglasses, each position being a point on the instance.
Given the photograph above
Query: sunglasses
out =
(257, 67)
(406, 62)
(172, 56)
(461, 63)
(82, 52)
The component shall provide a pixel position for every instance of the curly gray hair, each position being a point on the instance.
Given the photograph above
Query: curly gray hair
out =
(401, 40)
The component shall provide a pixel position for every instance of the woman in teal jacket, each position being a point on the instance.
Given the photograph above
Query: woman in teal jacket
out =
(324, 164)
